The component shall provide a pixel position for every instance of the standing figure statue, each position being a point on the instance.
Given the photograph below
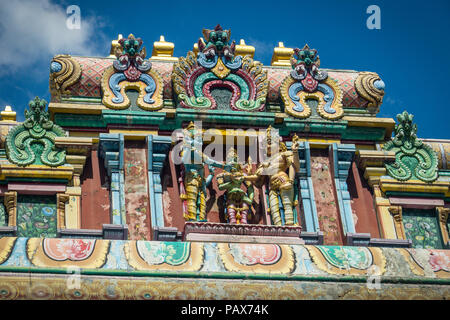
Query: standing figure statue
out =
(238, 202)
(280, 169)
(193, 183)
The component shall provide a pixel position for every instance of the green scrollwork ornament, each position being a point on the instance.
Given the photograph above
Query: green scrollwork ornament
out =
(413, 158)
(33, 142)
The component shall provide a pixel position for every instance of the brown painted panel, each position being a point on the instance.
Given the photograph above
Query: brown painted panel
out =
(364, 214)
(325, 196)
(94, 197)
(136, 191)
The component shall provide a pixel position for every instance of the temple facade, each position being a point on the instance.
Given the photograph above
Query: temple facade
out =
(196, 177)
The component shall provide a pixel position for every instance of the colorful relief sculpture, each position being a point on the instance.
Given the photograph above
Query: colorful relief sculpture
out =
(64, 72)
(33, 142)
(369, 86)
(131, 72)
(217, 78)
(308, 85)
(280, 168)
(193, 183)
(238, 202)
(413, 158)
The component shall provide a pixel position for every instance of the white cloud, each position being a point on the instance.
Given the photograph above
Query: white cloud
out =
(32, 31)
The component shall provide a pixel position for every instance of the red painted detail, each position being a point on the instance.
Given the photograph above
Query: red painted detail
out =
(309, 83)
(222, 84)
(363, 209)
(94, 197)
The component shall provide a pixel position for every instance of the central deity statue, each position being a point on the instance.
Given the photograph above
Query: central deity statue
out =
(238, 202)
(279, 169)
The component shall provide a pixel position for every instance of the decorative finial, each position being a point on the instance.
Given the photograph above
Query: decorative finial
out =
(8, 114)
(281, 55)
(163, 50)
(242, 49)
(414, 159)
(115, 45)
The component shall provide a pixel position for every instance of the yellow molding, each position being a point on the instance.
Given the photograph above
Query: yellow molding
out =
(36, 171)
(75, 108)
(385, 219)
(365, 147)
(134, 134)
(74, 145)
(387, 184)
(170, 112)
(443, 218)
(396, 212)
(373, 158)
(279, 117)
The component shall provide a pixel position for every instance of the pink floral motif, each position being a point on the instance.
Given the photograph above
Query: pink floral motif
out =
(440, 260)
(251, 254)
(68, 249)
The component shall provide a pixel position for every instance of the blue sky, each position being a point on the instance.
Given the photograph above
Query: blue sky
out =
(410, 52)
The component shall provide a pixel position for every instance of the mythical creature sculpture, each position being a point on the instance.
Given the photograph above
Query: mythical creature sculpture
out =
(131, 71)
(308, 82)
(217, 78)
(280, 169)
(413, 158)
(238, 201)
(33, 142)
(130, 60)
(193, 183)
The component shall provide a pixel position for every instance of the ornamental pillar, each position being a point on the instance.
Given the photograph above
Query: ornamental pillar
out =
(111, 148)
(342, 159)
(158, 148)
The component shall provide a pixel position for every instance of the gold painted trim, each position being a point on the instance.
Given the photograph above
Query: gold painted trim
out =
(288, 104)
(36, 171)
(396, 212)
(414, 266)
(336, 104)
(443, 218)
(388, 184)
(75, 108)
(10, 201)
(6, 246)
(138, 85)
(61, 200)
